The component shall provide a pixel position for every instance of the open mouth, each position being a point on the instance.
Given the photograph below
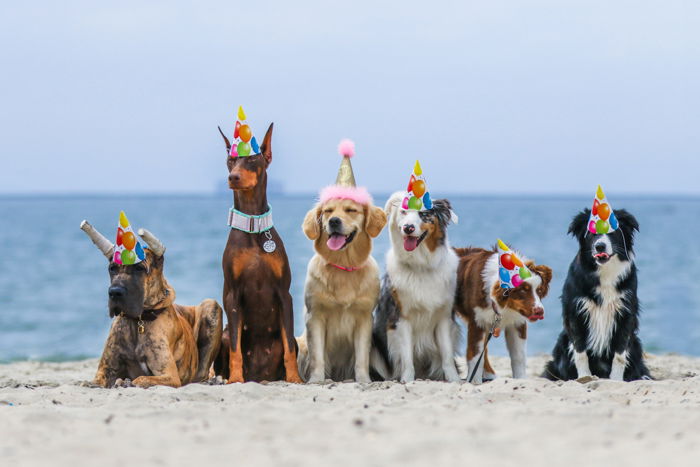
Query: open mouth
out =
(410, 243)
(337, 241)
(601, 258)
(533, 318)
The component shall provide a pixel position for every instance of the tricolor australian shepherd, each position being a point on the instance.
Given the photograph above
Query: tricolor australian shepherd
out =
(415, 334)
(600, 307)
(479, 296)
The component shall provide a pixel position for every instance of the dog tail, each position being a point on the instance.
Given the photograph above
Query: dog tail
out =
(379, 365)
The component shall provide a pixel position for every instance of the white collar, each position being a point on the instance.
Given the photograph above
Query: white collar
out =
(250, 223)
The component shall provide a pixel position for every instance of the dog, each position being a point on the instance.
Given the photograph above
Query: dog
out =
(600, 308)
(259, 342)
(415, 334)
(153, 341)
(480, 296)
(342, 287)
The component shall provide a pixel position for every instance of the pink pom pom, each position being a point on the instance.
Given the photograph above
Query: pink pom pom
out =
(346, 148)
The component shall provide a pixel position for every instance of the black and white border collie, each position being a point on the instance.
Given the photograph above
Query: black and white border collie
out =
(415, 334)
(600, 307)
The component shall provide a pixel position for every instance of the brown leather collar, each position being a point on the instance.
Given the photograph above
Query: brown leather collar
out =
(147, 315)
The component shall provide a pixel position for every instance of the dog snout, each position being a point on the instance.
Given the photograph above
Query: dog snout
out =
(408, 229)
(234, 177)
(335, 222)
(116, 292)
(600, 247)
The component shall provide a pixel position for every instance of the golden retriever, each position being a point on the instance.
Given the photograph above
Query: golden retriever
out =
(341, 290)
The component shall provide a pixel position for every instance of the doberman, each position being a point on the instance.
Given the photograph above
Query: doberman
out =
(259, 344)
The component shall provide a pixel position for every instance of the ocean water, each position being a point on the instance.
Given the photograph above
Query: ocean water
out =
(53, 281)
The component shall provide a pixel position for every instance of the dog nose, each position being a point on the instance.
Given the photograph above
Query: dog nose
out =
(538, 311)
(234, 178)
(116, 292)
(408, 229)
(600, 247)
(335, 222)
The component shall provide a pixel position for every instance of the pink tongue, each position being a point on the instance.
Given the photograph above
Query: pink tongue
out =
(410, 243)
(336, 242)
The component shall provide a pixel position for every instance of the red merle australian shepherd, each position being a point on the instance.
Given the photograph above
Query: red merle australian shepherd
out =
(600, 307)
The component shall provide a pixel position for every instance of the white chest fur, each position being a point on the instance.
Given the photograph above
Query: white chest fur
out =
(601, 317)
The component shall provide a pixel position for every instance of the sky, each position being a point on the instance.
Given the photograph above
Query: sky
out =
(494, 97)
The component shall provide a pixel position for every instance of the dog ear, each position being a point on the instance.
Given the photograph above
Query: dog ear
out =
(312, 223)
(545, 272)
(226, 141)
(578, 226)
(392, 203)
(266, 146)
(375, 220)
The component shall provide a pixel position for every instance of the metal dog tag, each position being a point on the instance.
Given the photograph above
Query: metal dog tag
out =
(269, 246)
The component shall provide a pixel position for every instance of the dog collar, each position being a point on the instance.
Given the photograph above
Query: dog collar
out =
(250, 223)
(348, 269)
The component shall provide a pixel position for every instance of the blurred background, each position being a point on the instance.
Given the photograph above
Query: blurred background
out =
(517, 110)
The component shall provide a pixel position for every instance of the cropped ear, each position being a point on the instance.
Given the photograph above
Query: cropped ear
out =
(545, 272)
(226, 141)
(312, 223)
(578, 226)
(375, 220)
(266, 146)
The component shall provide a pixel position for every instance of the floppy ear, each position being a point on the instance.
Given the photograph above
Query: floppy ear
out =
(375, 220)
(578, 227)
(266, 146)
(545, 272)
(312, 223)
(226, 141)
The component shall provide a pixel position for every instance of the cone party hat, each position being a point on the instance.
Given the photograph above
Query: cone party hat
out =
(128, 248)
(417, 196)
(345, 186)
(511, 270)
(602, 218)
(244, 142)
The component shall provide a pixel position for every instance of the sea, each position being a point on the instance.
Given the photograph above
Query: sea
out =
(53, 281)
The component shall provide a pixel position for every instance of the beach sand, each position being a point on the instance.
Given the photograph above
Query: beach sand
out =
(54, 420)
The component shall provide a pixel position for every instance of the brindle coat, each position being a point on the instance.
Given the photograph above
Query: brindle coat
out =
(259, 344)
(175, 348)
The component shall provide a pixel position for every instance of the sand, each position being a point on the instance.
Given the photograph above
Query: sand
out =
(55, 420)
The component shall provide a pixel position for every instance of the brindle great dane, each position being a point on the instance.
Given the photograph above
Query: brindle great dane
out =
(153, 341)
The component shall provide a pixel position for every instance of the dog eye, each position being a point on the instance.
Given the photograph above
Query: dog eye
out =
(327, 211)
(113, 268)
(349, 210)
(403, 213)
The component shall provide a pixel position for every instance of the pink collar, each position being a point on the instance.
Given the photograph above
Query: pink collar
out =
(343, 268)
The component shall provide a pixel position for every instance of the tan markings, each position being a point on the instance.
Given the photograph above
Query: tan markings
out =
(235, 358)
(275, 263)
(242, 259)
(522, 331)
(290, 360)
(434, 237)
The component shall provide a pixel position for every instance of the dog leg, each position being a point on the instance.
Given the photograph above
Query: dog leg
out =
(619, 363)
(291, 370)
(316, 335)
(401, 345)
(109, 368)
(489, 372)
(581, 362)
(476, 338)
(235, 359)
(209, 323)
(516, 343)
(161, 365)
(363, 343)
(447, 350)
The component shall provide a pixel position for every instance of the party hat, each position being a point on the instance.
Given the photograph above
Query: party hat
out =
(128, 248)
(511, 270)
(244, 143)
(602, 218)
(345, 186)
(417, 195)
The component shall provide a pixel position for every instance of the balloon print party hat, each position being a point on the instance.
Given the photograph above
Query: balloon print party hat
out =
(511, 270)
(128, 248)
(244, 143)
(417, 196)
(345, 186)
(602, 218)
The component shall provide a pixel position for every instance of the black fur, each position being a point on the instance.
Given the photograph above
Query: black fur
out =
(386, 316)
(581, 282)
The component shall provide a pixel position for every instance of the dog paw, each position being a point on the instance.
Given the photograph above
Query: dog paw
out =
(123, 383)
(214, 381)
(295, 379)
(235, 380)
(363, 379)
